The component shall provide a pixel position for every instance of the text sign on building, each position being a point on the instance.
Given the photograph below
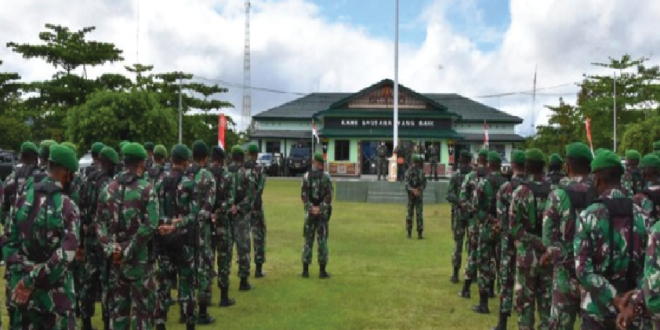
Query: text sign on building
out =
(386, 123)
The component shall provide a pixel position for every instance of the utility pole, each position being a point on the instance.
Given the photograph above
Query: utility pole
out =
(247, 84)
(614, 112)
(396, 76)
(180, 111)
(534, 103)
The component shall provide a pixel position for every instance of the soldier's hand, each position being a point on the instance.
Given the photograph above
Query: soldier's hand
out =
(80, 254)
(234, 209)
(625, 317)
(626, 298)
(619, 303)
(21, 294)
(545, 258)
(165, 229)
(214, 217)
(316, 210)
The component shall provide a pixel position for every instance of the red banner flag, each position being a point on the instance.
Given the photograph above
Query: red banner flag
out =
(486, 138)
(588, 124)
(222, 126)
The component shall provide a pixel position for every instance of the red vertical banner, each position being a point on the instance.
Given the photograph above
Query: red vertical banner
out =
(588, 124)
(222, 126)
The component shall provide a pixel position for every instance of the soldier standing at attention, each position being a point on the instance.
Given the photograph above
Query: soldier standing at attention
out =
(157, 169)
(610, 243)
(565, 203)
(434, 157)
(316, 195)
(44, 147)
(15, 183)
(149, 147)
(555, 170)
(533, 286)
(76, 184)
(415, 185)
(42, 243)
(95, 149)
(381, 161)
(467, 189)
(459, 217)
(632, 180)
(257, 220)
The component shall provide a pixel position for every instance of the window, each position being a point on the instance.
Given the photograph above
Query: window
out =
(342, 150)
(273, 147)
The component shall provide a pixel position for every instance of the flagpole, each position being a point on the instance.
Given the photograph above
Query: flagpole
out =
(396, 75)
(614, 112)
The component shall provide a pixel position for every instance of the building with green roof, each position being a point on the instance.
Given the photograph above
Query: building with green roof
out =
(350, 125)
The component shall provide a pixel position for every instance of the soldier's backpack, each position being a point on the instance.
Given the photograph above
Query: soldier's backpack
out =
(494, 181)
(155, 172)
(38, 251)
(25, 173)
(654, 196)
(580, 200)
(540, 191)
(219, 174)
(555, 177)
(122, 226)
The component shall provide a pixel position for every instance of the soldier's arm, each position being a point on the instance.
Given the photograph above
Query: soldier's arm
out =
(10, 250)
(250, 193)
(208, 185)
(52, 271)
(327, 195)
(303, 192)
(147, 228)
(556, 211)
(262, 182)
(516, 229)
(648, 296)
(406, 179)
(451, 190)
(103, 219)
(466, 192)
(188, 188)
(9, 191)
(226, 188)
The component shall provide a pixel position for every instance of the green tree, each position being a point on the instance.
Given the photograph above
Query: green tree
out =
(641, 135)
(564, 127)
(14, 130)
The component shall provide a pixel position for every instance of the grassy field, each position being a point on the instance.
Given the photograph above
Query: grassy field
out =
(380, 279)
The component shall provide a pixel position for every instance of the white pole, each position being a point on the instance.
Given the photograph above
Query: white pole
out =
(180, 111)
(396, 76)
(614, 112)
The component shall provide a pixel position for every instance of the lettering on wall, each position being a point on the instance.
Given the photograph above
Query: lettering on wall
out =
(383, 98)
(386, 123)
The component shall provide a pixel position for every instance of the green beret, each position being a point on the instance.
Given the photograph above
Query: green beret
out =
(656, 146)
(604, 160)
(483, 153)
(518, 157)
(123, 143)
(633, 155)
(237, 150)
(416, 158)
(466, 154)
(494, 157)
(579, 150)
(600, 150)
(555, 159)
(650, 161)
(110, 154)
(64, 157)
(534, 155)
(200, 148)
(180, 151)
(97, 147)
(159, 150)
(253, 149)
(149, 146)
(46, 143)
(27, 147)
(134, 150)
(70, 146)
(318, 157)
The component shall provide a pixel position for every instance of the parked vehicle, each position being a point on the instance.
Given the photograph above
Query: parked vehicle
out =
(85, 163)
(298, 162)
(7, 163)
(268, 162)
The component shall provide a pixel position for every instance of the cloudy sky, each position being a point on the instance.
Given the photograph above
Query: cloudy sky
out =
(476, 48)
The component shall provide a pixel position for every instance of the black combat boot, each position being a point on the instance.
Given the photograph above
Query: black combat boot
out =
(225, 301)
(419, 235)
(182, 318)
(203, 317)
(259, 272)
(465, 293)
(409, 234)
(501, 325)
(106, 322)
(86, 323)
(160, 327)
(305, 272)
(491, 289)
(482, 308)
(323, 273)
(245, 285)
(190, 326)
(454, 276)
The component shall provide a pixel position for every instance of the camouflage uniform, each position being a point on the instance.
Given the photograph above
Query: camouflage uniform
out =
(559, 220)
(258, 222)
(459, 217)
(128, 211)
(555, 178)
(415, 179)
(632, 181)
(42, 242)
(381, 161)
(242, 194)
(647, 297)
(316, 190)
(467, 189)
(434, 157)
(533, 281)
(223, 182)
(609, 251)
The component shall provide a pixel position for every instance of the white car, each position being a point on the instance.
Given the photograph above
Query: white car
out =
(85, 161)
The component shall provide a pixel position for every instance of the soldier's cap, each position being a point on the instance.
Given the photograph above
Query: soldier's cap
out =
(318, 157)
(494, 157)
(237, 150)
(110, 154)
(200, 149)
(123, 143)
(534, 155)
(518, 157)
(483, 153)
(555, 159)
(134, 150)
(149, 146)
(29, 147)
(656, 146)
(579, 150)
(600, 150)
(253, 149)
(44, 146)
(650, 160)
(180, 151)
(70, 146)
(633, 155)
(416, 158)
(97, 147)
(466, 154)
(64, 157)
(605, 160)
(159, 150)
(217, 152)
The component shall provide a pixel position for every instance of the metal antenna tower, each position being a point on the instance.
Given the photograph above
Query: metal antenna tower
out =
(247, 85)
(534, 103)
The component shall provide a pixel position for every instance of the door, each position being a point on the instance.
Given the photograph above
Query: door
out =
(369, 149)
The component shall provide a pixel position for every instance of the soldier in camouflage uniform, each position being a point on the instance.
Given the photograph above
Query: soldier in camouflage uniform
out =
(459, 217)
(257, 220)
(574, 194)
(632, 180)
(42, 243)
(401, 156)
(555, 170)
(484, 198)
(149, 147)
(381, 160)
(76, 185)
(415, 186)
(533, 282)
(610, 242)
(434, 157)
(223, 226)
(316, 195)
(242, 195)
(467, 189)
(507, 249)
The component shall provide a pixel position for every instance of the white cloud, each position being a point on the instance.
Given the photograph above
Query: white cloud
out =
(295, 49)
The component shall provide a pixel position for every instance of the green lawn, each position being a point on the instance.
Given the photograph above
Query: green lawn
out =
(380, 279)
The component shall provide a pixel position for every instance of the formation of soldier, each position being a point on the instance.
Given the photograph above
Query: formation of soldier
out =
(560, 245)
(126, 231)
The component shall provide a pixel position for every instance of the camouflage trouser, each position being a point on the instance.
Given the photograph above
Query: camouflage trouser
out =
(26, 319)
(186, 271)
(241, 226)
(434, 169)
(486, 256)
(315, 226)
(472, 249)
(164, 279)
(225, 250)
(533, 293)
(415, 204)
(89, 280)
(258, 225)
(133, 301)
(458, 229)
(381, 167)
(206, 270)
(10, 308)
(565, 300)
(592, 322)
(507, 279)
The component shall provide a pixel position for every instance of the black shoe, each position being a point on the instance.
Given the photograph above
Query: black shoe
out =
(482, 308)
(419, 235)
(491, 289)
(225, 301)
(503, 320)
(182, 318)
(305, 272)
(87, 323)
(190, 326)
(259, 273)
(160, 327)
(245, 285)
(409, 234)
(203, 317)
(106, 322)
(465, 293)
(323, 273)
(454, 277)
